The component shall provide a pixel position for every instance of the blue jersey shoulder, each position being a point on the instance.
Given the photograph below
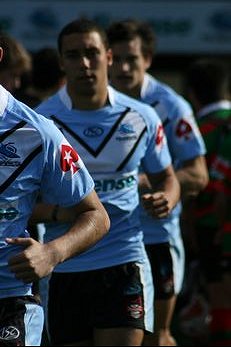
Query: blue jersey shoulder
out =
(165, 100)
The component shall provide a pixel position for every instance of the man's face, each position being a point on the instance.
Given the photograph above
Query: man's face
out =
(129, 66)
(85, 61)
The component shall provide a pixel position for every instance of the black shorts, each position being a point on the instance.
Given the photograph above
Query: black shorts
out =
(105, 298)
(162, 269)
(21, 321)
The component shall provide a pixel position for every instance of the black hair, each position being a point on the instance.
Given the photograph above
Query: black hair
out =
(128, 29)
(82, 25)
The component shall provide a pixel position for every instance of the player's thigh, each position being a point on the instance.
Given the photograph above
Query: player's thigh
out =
(162, 269)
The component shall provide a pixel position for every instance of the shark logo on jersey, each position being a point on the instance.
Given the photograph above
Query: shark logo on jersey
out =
(8, 150)
(8, 154)
(127, 132)
(69, 159)
(126, 129)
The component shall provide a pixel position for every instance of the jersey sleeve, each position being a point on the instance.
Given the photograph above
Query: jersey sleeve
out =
(184, 137)
(66, 180)
(157, 157)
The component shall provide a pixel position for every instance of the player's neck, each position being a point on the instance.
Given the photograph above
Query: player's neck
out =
(132, 92)
(135, 92)
(90, 101)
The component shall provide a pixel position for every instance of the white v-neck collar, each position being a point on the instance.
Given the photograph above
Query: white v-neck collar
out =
(66, 100)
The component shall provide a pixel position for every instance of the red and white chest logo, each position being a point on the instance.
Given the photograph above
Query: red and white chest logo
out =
(69, 159)
(183, 129)
(160, 135)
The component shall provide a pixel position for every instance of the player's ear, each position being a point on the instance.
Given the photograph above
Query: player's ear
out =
(1, 53)
(148, 61)
(109, 57)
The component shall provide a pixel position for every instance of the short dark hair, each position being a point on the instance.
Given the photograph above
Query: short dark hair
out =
(15, 54)
(82, 25)
(208, 79)
(128, 29)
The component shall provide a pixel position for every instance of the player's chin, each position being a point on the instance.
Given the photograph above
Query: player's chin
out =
(124, 83)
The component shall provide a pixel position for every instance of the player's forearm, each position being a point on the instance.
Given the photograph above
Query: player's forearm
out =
(164, 195)
(171, 188)
(37, 260)
(46, 213)
(144, 184)
(190, 184)
(168, 183)
(193, 177)
(88, 221)
(90, 227)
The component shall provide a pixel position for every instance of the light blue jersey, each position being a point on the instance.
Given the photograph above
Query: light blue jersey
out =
(113, 141)
(184, 142)
(34, 156)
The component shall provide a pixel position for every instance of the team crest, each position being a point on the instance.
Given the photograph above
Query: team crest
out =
(135, 308)
(69, 159)
(160, 137)
(183, 129)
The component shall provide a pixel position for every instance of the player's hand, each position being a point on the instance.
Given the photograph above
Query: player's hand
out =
(156, 205)
(33, 262)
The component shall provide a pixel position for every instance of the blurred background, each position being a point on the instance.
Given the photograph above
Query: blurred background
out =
(184, 29)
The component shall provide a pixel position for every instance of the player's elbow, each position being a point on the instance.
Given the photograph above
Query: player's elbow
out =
(101, 222)
(203, 180)
(200, 183)
(198, 176)
(106, 223)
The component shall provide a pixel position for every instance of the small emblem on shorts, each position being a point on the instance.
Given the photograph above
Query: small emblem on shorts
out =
(135, 309)
(133, 289)
(9, 333)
